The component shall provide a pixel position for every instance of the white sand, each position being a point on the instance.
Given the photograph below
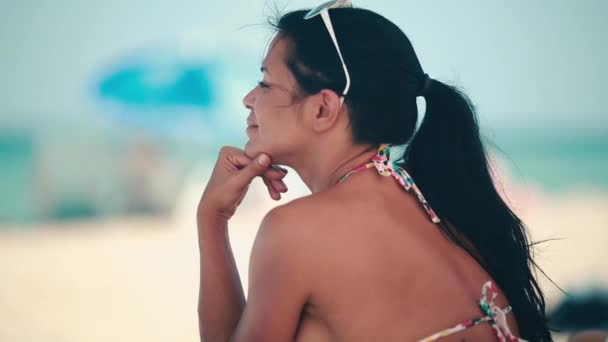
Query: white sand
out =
(137, 279)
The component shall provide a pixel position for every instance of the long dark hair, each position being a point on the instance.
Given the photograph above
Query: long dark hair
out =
(446, 156)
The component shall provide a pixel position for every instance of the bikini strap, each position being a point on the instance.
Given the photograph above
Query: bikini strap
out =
(498, 316)
(494, 315)
(386, 168)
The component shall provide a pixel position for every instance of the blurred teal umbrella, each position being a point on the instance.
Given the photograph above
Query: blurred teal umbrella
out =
(159, 88)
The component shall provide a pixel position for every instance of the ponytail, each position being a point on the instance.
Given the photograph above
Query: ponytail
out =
(447, 159)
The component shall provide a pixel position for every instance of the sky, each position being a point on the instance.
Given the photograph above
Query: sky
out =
(523, 63)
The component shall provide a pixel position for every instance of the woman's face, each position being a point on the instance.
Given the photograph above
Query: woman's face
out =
(274, 122)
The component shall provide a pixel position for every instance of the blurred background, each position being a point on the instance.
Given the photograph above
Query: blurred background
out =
(112, 114)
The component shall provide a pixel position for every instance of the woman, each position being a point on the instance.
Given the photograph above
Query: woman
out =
(370, 255)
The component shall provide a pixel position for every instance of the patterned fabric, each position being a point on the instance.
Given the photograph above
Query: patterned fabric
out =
(381, 162)
(494, 315)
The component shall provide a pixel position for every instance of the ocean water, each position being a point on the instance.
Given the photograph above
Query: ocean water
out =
(553, 163)
(16, 174)
(557, 163)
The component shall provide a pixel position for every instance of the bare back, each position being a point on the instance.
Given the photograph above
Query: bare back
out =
(385, 271)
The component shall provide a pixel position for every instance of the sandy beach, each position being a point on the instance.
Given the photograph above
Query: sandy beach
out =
(136, 279)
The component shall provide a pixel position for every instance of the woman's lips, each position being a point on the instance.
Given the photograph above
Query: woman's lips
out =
(251, 123)
(251, 128)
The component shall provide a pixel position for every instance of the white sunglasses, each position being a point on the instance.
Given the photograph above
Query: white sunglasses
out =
(323, 9)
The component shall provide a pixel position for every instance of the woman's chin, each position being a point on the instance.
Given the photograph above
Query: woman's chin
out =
(250, 149)
(253, 149)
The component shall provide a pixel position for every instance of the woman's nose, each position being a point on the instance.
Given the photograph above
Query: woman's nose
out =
(248, 99)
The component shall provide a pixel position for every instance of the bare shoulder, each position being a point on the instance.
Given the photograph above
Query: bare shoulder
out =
(292, 223)
(282, 276)
(307, 215)
(363, 228)
(295, 220)
(298, 226)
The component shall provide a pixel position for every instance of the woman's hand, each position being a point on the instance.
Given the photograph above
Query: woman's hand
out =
(229, 182)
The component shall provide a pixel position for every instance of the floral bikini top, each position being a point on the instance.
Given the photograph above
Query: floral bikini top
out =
(494, 315)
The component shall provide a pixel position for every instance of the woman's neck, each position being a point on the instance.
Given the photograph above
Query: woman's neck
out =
(326, 170)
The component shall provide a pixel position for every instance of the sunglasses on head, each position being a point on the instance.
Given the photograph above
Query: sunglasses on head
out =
(323, 10)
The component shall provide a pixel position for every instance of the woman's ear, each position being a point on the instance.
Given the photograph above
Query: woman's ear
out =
(328, 110)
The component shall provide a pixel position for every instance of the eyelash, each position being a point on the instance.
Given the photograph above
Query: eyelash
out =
(262, 84)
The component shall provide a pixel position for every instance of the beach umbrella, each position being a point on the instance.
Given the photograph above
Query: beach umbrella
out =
(168, 91)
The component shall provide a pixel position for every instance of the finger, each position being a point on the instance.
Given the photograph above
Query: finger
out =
(274, 194)
(278, 185)
(282, 169)
(269, 185)
(274, 173)
(240, 160)
(255, 168)
(236, 158)
(278, 170)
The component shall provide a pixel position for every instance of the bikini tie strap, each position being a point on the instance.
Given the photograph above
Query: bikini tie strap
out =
(497, 316)
(494, 315)
(382, 163)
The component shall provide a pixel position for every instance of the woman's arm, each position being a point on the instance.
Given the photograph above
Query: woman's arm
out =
(281, 272)
(221, 299)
